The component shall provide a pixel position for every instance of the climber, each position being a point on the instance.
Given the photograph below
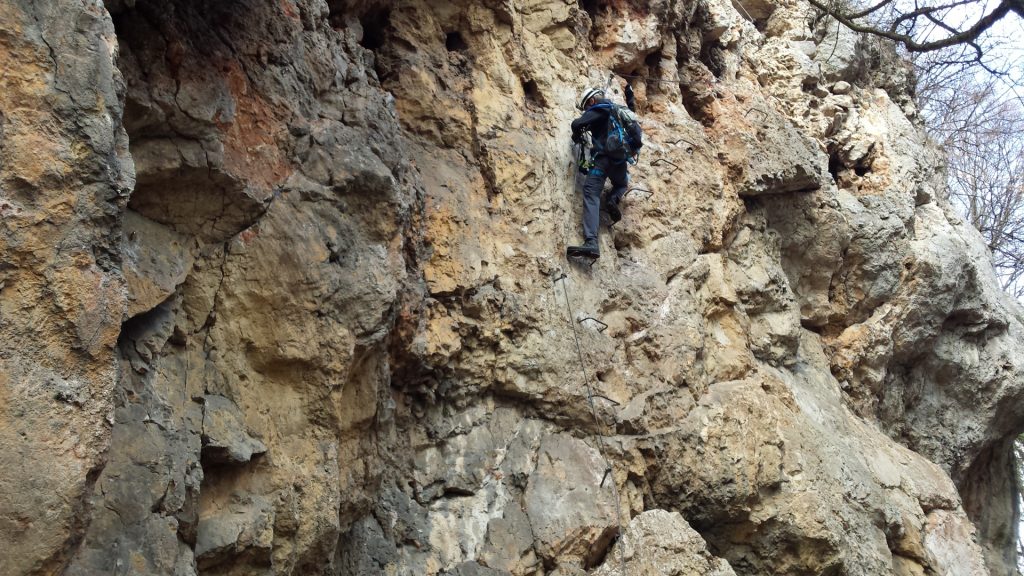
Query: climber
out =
(603, 164)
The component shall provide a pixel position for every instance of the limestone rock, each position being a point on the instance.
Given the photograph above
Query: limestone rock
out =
(510, 543)
(244, 529)
(65, 175)
(474, 569)
(661, 543)
(157, 261)
(570, 511)
(773, 158)
(224, 437)
(282, 292)
(624, 36)
(839, 55)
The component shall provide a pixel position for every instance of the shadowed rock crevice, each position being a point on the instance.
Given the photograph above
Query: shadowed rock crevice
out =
(375, 23)
(534, 97)
(454, 42)
(184, 173)
(987, 485)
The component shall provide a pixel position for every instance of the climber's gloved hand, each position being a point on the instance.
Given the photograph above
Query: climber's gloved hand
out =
(627, 91)
(577, 138)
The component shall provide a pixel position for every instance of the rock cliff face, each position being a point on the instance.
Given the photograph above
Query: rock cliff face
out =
(282, 292)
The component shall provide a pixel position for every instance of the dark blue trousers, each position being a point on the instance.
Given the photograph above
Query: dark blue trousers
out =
(593, 186)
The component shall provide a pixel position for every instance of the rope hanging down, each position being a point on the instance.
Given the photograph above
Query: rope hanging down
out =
(601, 450)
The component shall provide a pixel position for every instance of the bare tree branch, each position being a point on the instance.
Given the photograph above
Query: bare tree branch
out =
(982, 133)
(899, 25)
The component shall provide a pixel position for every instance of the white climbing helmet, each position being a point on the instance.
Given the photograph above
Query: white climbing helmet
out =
(588, 94)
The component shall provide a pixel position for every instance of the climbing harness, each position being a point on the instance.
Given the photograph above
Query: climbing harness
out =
(584, 164)
(602, 448)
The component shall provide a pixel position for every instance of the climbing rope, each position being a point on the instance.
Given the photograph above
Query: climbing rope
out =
(749, 17)
(602, 448)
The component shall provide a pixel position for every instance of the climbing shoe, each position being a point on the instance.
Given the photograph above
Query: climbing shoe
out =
(613, 211)
(588, 250)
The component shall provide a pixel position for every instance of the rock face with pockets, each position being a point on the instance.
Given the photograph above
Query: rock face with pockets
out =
(283, 291)
(570, 512)
(661, 543)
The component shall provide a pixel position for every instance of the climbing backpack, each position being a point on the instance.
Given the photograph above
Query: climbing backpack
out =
(625, 137)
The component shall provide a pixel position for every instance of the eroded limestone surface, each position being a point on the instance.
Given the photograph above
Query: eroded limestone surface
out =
(283, 292)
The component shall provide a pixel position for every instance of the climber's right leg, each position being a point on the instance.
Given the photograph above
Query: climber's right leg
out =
(592, 188)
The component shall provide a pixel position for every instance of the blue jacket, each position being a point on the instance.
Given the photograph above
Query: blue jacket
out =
(595, 121)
